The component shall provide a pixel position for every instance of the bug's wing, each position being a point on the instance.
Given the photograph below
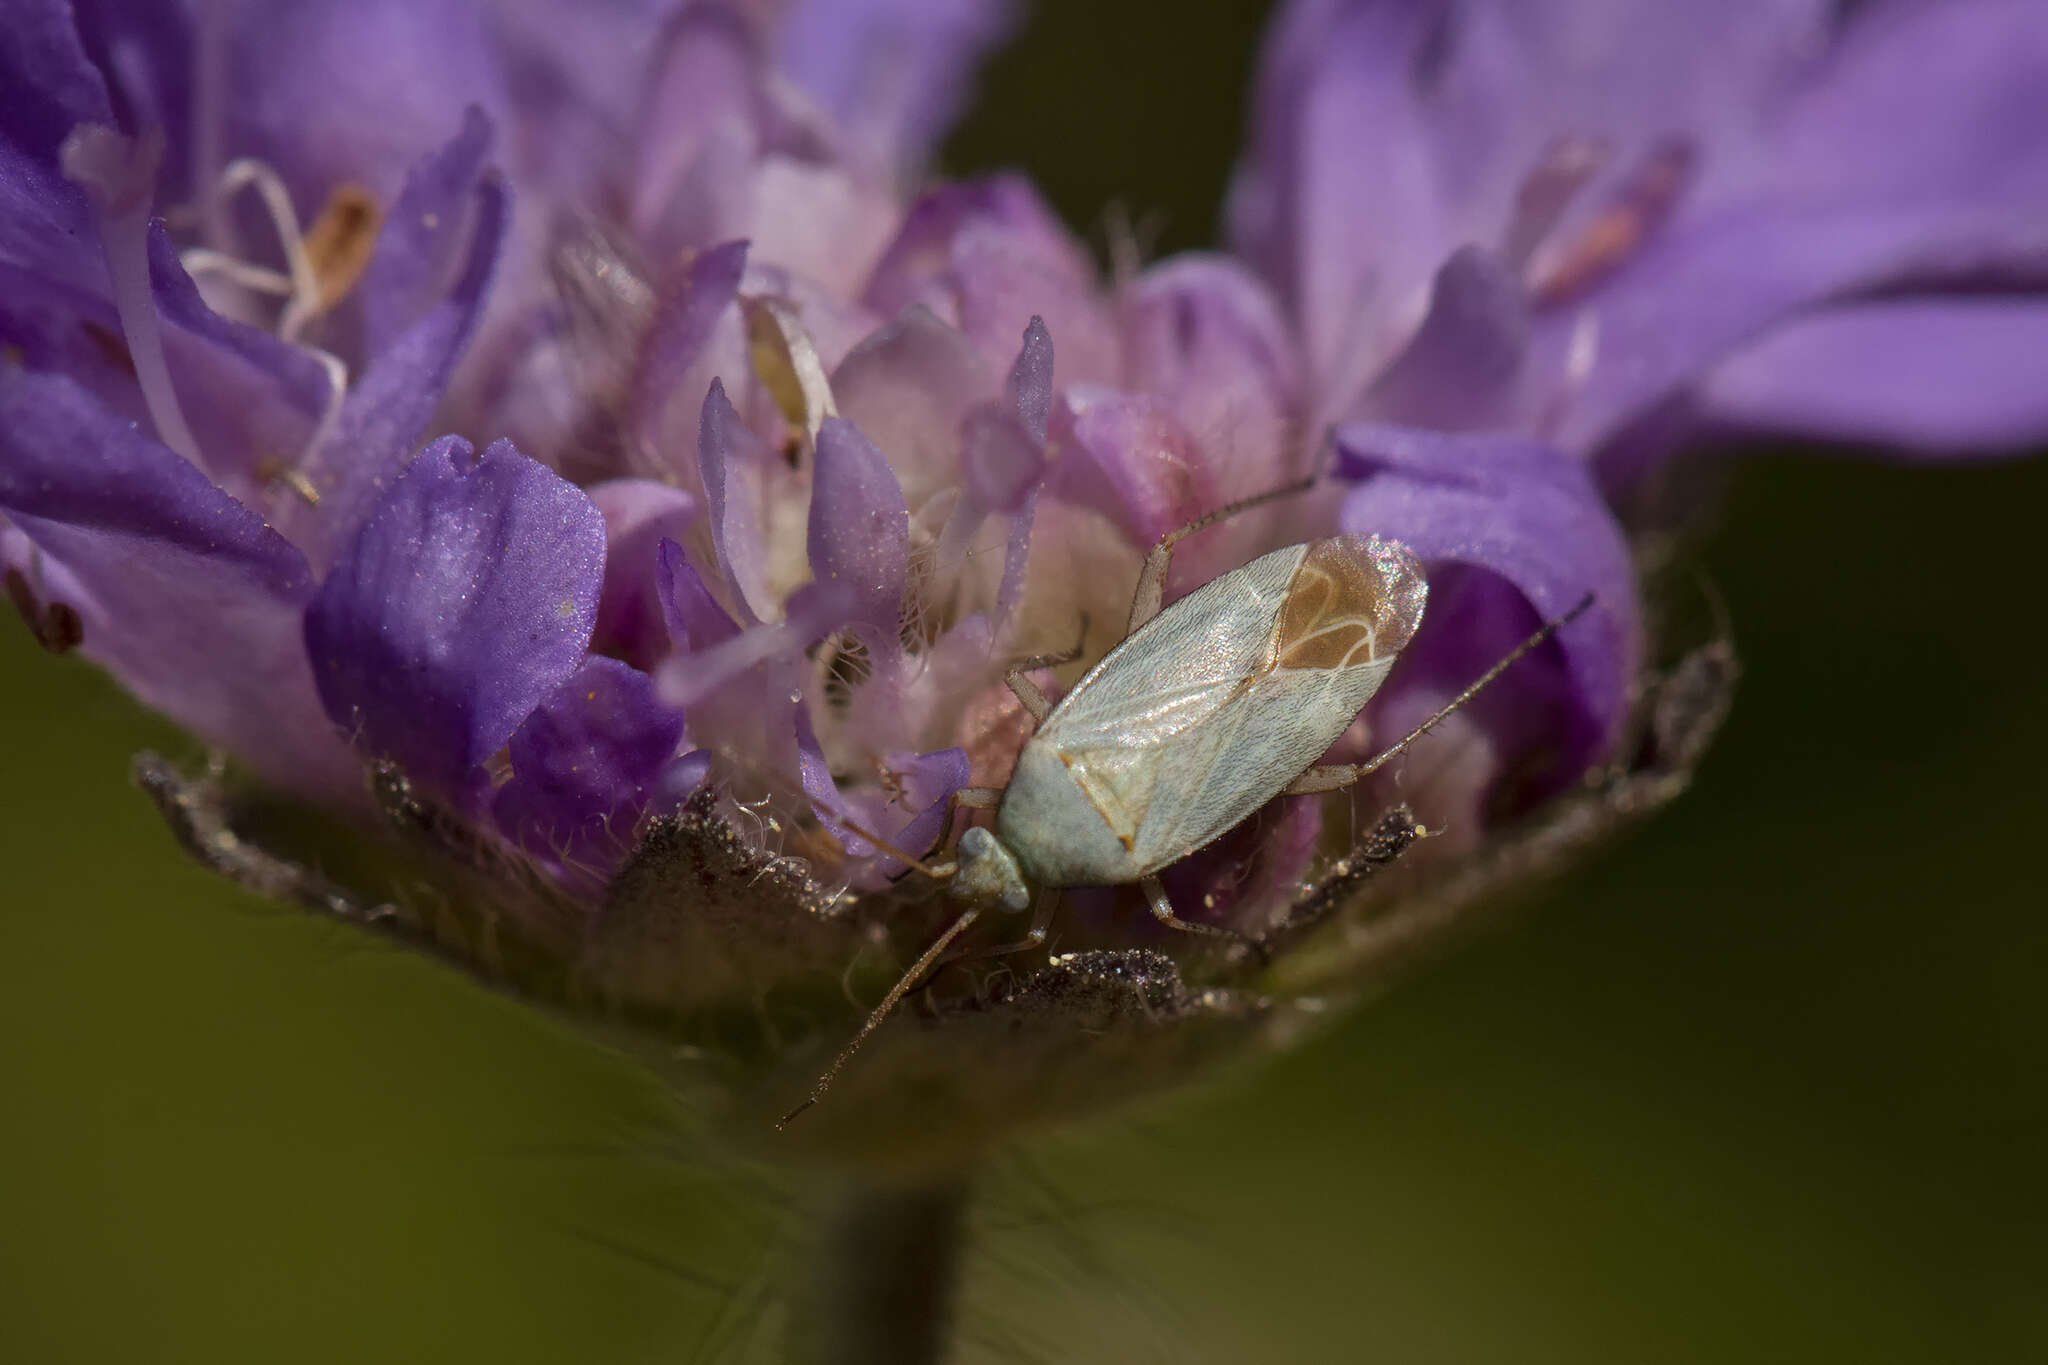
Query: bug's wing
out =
(1245, 754)
(1183, 731)
(1181, 667)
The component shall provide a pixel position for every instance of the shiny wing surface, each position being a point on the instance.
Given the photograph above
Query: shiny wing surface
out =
(1180, 667)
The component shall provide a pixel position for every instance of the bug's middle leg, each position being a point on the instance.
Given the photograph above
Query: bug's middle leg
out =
(1151, 593)
(1027, 691)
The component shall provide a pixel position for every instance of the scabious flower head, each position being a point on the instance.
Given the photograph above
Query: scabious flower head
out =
(578, 441)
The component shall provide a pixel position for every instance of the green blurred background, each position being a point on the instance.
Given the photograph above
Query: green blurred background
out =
(1763, 1083)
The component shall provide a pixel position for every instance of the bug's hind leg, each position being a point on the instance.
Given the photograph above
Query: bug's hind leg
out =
(1145, 602)
(1324, 777)
(1162, 910)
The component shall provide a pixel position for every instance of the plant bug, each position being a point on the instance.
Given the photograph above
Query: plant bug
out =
(1203, 713)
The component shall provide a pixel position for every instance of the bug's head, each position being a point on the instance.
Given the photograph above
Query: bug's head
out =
(988, 873)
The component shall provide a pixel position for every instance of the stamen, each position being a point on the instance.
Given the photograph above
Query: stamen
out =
(322, 266)
(204, 260)
(1615, 233)
(337, 392)
(1553, 182)
(338, 248)
(786, 359)
(284, 219)
(119, 175)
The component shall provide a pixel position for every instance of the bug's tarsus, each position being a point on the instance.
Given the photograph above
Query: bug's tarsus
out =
(1028, 692)
(924, 964)
(1162, 910)
(1479, 684)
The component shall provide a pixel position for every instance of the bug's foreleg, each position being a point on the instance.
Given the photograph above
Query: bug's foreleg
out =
(968, 798)
(1041, 926)
(1162, 910)
(1151, 593)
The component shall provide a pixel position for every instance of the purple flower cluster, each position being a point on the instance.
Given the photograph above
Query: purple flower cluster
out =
(586, 416)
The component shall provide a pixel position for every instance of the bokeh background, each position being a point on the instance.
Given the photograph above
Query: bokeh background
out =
(1764, 1082)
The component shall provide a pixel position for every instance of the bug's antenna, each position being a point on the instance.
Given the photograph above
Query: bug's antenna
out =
(938, 872)
(1548, 629)
(881, 1012)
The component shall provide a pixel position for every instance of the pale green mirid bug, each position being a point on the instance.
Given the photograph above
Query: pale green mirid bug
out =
(1203, 713)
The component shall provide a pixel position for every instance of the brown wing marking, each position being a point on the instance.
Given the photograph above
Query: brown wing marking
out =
(1347, 604)
(1118, 783)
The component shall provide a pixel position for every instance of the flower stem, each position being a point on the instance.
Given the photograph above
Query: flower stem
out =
(882, 1276)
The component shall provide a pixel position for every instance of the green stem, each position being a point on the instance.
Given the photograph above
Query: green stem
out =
(882, 1276)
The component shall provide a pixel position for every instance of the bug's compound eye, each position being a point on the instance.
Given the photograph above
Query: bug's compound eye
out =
(989, 874)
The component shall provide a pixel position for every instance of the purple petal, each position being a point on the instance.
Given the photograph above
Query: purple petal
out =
(733, 463)
(697, 137)
(1000, 463)
(928, 778)
(584, 765)
(248, 395)
(464, 600)
(189, 598)
(1671, 181)
(1003, 443)
(1029, 387)
(1204, 336)
(146, 52)
(389, 405)
(639, 515)
(695, 620)
(928, 782)
(1698, 295)
(1916, 158)
(1529, 518)
(685, 317)
(46, 223)
(1463, 106)
(989, 256)
(422, 238)
(337, 91)
(715, 653)
(909, 386)
(1125, 455)
(892, 73)
(859, 533)
(48, 85)
(1936, 376)
(1460, 370)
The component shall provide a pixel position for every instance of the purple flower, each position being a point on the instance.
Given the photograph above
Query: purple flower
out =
(579, 437)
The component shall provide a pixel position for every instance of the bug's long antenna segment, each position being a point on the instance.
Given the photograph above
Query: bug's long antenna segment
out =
(881, 1012)
(1548, 629)
(938, 872)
